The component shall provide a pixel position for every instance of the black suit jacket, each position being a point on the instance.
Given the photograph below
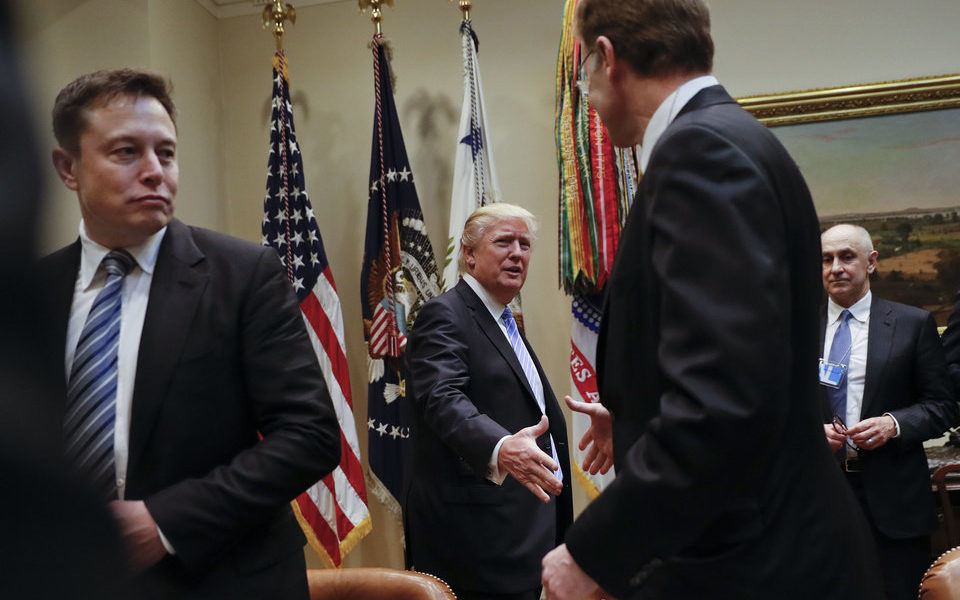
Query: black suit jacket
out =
(951, 344)
(906, 376)
(224, 357)
(470, 391)
(707, 359)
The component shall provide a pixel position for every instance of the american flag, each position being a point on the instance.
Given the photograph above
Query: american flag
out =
(333, 512)
(399, 275)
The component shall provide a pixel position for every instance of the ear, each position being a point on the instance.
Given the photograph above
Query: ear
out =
(66, 166)
(607, 53)
(469, 258)
(872, 262)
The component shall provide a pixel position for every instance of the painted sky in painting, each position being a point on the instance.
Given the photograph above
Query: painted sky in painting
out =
(879, 164)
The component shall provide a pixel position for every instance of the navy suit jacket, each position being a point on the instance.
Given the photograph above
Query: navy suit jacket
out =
(906, 376)
(707, 359)
(470, 391)
(224, 357)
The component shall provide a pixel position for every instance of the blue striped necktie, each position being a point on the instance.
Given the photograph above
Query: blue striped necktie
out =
(840, 354)
(92, 388)
(530, 371)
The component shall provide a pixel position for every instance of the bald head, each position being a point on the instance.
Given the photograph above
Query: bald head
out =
(854, 233)
(848, 261)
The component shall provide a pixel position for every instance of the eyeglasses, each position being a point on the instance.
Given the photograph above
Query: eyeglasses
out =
(583, 84)
(840, 427)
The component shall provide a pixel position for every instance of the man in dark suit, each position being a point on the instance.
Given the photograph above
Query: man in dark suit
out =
(725, 487)
(194, 402)
(485, 410)
(891, 392)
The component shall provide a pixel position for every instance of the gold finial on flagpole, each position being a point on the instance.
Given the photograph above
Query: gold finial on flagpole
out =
(274, 15)
(376, 12)
(465, 6)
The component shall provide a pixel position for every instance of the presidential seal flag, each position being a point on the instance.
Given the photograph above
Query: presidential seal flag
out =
(474, 175)
(333, 512)
(399, 275)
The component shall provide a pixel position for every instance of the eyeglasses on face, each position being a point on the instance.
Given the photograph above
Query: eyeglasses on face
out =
(583, 83)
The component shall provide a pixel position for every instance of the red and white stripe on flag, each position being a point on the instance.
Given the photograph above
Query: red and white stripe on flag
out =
(333, 512)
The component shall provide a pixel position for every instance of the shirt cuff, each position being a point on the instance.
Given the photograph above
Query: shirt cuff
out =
(494, 470)
(895, 422)
(166, 543)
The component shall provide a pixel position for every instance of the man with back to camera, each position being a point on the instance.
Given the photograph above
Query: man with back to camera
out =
(708, 344)
(182, 347)
(885, 391)
(485, 410)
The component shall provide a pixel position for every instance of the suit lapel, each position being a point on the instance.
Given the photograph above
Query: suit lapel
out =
(178, 284)
(489, 327)
(61, 273)
(880, 332)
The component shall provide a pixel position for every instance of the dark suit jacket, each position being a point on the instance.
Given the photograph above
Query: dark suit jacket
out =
(951, 344)
(906, 377)
(707, 359)
(224, 354)
(470, 391)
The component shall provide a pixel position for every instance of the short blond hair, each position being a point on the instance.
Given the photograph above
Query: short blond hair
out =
(486, 217)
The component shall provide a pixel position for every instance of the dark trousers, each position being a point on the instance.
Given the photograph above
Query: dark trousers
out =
(469, 595)
(902, 561)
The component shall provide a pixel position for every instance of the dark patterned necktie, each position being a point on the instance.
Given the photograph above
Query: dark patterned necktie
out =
(92, 388)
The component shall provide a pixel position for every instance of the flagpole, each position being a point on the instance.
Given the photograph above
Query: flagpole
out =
(274, 16)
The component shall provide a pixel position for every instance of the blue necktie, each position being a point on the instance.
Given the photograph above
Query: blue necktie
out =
(840, 354)
(92, 388)
(530, 371)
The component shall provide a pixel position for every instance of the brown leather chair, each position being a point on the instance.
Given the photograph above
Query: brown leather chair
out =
(949, 518)
(375, 584)
(942, 579)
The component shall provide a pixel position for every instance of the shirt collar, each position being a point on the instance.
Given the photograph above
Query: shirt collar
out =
(860, 309)
(92, 253)
(495, 308)
(668, 111)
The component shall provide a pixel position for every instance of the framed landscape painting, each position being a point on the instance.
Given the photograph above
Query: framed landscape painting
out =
(885, 156)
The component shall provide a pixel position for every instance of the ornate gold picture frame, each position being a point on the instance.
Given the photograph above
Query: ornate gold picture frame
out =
(884, 156)
(868, 100)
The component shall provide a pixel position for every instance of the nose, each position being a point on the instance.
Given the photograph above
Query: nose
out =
(836, 266)
(151, 170)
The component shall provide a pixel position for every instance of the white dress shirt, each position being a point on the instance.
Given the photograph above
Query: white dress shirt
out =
(668, 111)
(496, 311)
(857, 362)
(133, 300)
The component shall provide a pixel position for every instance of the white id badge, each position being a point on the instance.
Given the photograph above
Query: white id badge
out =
(831, 374)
